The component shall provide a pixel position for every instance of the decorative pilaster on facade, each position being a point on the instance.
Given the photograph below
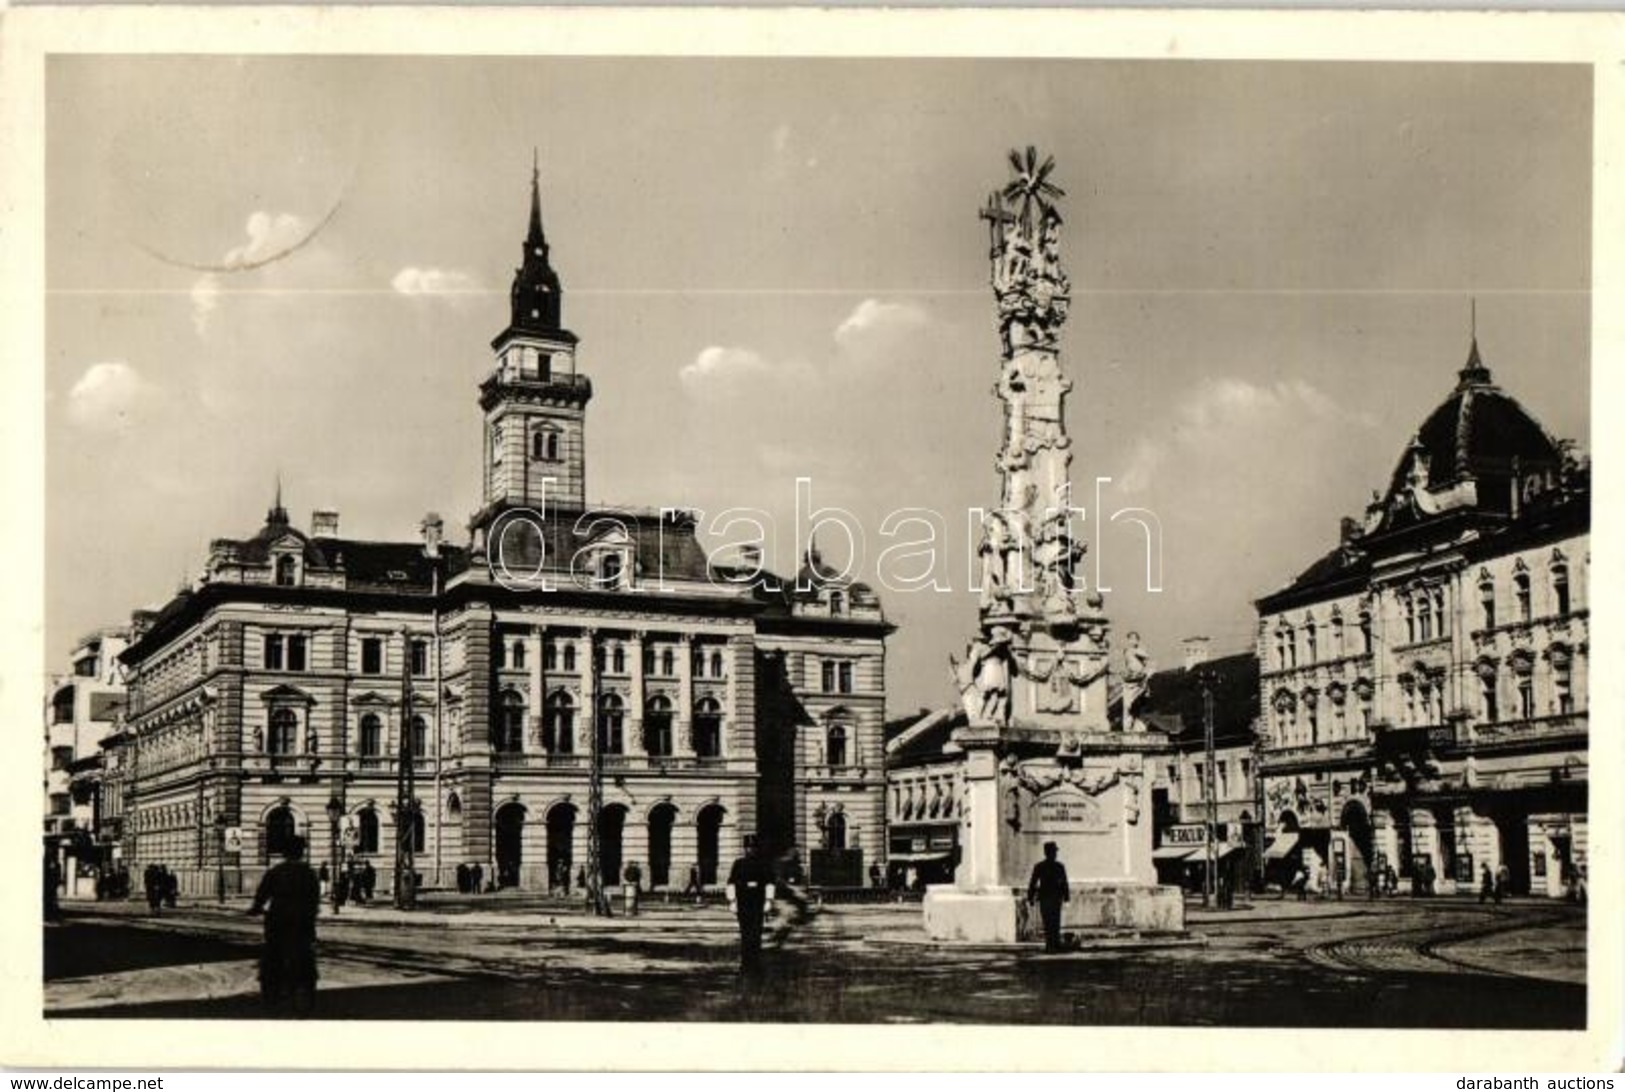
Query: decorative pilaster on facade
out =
(634, 742)
(534, 735)
(685, 694)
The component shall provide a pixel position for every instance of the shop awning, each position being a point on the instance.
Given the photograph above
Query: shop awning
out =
(1225, 851)
(1171, 853)
(918, 858)
(1280, 847)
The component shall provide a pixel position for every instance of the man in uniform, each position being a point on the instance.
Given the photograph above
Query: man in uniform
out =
(1048, 887)
(289, 896)
(750, 893)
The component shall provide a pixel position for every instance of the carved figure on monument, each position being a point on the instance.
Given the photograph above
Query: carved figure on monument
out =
(1136, 670)
(995, 539)
(983, 678)
(259, 739)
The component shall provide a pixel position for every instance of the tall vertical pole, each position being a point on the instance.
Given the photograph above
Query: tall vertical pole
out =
(404, 813)
(595, 786)
(1209, 883)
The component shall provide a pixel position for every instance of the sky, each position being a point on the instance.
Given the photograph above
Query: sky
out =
(776, 271)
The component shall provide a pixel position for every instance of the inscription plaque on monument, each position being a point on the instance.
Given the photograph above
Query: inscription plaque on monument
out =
(1069, 811)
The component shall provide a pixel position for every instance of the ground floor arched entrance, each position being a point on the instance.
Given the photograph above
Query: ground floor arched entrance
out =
(611, 833)
(561, 832)
(661, 821)
(509, 830)
(708, 831)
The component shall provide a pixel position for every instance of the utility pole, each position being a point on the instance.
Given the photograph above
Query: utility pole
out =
(1209, 883)
(405, 804)
(595, 786)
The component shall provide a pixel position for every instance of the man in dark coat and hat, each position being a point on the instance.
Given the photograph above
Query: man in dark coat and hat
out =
(289, 897)
(750, 891)
(1049, 888)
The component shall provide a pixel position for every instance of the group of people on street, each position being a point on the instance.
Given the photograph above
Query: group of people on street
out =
(355, 883)
(471, 879)
(162, 887)
(1495, 885)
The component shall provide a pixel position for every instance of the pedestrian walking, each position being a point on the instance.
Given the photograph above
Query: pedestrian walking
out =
(1048, 887)
(172, 888)
(1300, 883)
(326, 879)
(876, 876)
(787, 882)
(1503, 883)
(369, 879)
(633, 877)
(694, 887)
(288, 897)
(1486, 886)
(476, 877)
(750, 895)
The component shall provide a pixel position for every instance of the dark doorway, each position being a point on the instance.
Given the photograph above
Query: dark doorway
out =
(661, 820)
(1357, 822)
(561, 832)
(279, 831)
(708, 827)
(1513, 827)
(510, 827)
(611, 826)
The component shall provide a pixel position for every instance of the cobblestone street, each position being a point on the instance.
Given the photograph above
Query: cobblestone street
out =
(1428, 963)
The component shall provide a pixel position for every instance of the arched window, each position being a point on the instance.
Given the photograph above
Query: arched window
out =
(837, 603)
(509, 729)
(1290, 637)
(1520, 586)
(570, 657)
(286, 571)
(610, 566)
(1310, 643)
(1489, 683)
(618, 659)
(559, 726)
(1486, 599)
(367, 827)
(550, 657)
(1560, 588)
(280, 829)
(611, 725)
(539, 444)
(716, 665)
(420, 737)
(1311, 706)
(518, 658)
(284, 739)
(708, 729)
(1424, 619)
(835, 831)
(657, 720)
(668, 663)
(372, 736)
(835, 745)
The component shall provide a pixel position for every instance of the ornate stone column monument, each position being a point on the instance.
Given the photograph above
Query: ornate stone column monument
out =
(1042, 762)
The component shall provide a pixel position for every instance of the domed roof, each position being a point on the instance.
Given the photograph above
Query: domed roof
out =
(1480, 434)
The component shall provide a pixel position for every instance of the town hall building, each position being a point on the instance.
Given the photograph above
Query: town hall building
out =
(269, 699)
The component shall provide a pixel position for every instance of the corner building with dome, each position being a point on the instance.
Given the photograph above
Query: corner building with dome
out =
(269, 699)
(1424, 684)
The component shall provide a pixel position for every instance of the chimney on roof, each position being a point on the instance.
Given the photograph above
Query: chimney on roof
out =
(324, 523)
(433, 529)
(1196, 651)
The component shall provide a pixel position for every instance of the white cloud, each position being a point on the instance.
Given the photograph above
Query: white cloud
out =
(413, 281)
(107, 396)
(205, 298)
(875, 320)
(269, 235)
(1229, 419)
(717, 362)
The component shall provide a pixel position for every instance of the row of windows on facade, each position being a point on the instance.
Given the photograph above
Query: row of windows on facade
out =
(561, 656)
(291, 652)
(1423, 699)
(1424, 615)
(1221, 774)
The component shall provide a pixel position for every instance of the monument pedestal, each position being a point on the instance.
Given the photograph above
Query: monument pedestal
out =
(1003, 915)
(1023, 791)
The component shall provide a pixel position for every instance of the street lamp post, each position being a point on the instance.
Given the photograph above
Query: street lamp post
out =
(1209, 884)
(220, 856)
(335, 810)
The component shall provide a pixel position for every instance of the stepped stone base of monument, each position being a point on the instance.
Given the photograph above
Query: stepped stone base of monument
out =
(1001, 915)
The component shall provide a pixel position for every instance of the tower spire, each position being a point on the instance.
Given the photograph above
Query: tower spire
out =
(535, 238)
(278, 515)
(1474, 373)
